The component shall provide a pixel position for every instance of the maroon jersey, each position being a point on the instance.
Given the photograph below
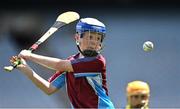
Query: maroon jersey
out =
(86, 86)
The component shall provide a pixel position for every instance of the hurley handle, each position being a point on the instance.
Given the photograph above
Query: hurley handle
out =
(18, 62)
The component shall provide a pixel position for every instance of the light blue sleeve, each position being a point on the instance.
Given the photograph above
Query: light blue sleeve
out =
(59, 81)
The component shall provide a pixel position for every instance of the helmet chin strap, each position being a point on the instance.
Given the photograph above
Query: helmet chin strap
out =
(87, 53)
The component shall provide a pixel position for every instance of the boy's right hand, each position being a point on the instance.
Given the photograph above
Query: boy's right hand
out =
(15, 59)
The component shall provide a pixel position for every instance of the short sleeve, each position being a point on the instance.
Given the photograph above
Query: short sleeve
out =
(58, 80)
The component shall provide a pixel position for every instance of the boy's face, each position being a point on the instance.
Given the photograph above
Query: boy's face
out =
(138, 100)
(90, 41)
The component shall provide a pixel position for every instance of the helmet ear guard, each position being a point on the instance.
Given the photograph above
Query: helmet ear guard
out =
(76, 36)
(77, 42)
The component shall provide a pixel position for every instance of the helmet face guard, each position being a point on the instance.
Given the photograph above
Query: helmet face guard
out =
(90, 25)
(92, 41)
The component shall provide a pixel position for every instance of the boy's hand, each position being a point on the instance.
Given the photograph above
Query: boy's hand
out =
(25, 54)
(15, 59)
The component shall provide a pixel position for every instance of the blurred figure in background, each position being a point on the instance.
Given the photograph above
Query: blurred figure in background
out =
(138, 93)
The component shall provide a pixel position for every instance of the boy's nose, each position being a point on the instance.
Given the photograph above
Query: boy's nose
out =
(92, 42)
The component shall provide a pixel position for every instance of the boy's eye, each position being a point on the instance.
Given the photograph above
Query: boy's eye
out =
(98, 38)
(90, 37)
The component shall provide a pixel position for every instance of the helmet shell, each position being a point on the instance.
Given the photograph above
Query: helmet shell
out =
(90, 24)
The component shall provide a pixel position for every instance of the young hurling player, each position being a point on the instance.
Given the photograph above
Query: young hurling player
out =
(83, 73)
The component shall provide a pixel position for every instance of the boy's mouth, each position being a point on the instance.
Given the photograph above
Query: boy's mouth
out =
(90, 48)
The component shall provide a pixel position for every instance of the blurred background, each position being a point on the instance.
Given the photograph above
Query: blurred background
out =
(129, 24)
